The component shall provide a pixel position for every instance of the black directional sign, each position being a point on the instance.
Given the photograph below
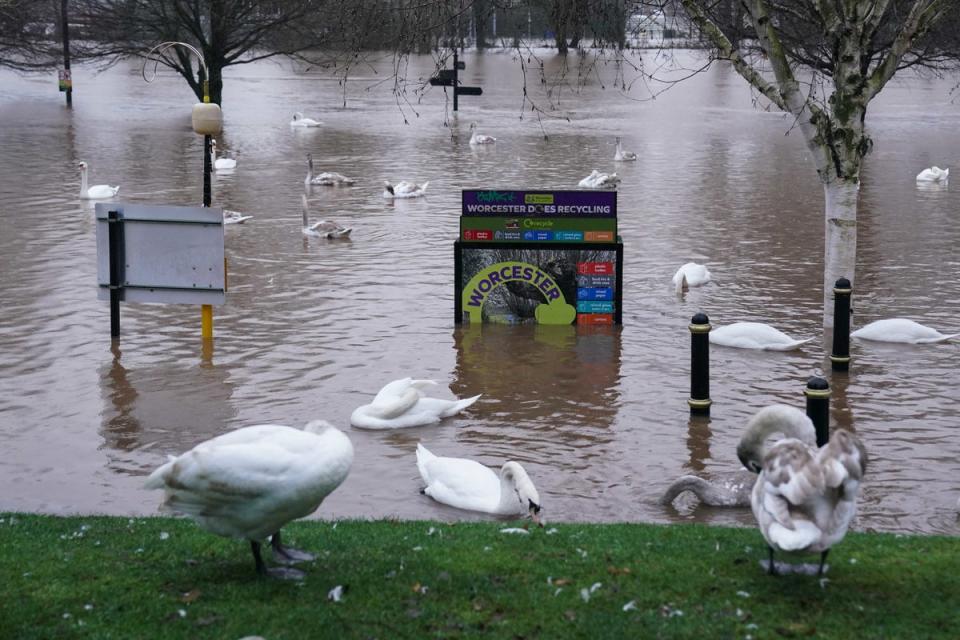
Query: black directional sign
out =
(448, 78)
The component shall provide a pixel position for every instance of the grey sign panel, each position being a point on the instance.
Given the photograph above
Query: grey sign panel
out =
(171, 254)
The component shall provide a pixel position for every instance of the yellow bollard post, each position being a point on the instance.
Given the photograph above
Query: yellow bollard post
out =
(206, 321)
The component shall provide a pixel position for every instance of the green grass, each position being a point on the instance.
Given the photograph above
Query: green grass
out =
(107, 577)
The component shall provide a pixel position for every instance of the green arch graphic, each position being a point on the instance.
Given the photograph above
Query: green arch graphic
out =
(555, 311)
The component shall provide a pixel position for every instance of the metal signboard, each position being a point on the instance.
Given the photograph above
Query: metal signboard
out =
(490, 215)
(164, 254)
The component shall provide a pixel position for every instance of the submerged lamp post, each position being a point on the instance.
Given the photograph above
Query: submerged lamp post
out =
(207, 121)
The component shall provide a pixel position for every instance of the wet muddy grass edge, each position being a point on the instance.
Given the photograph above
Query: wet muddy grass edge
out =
(116, 577)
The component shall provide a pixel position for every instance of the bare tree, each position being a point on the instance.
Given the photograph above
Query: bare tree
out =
(28, 35)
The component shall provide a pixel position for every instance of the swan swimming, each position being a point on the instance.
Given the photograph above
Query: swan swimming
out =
(327, 178)
(597, 180)
(402, 404)
(730, 490)
(467, 484)
(933, 174)
(234, 217)
(690, 275)
(300, 121)
(754, 335)
(250, 482)
(479, 138)
(323, 228)
(97, 191)
(404, 189)
(623, 156)
(804, 497)
(221, 164)
(901, 330)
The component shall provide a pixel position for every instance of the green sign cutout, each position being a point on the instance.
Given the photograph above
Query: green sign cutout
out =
(555, 311)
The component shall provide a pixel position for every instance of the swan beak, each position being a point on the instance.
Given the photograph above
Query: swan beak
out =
(535, 513)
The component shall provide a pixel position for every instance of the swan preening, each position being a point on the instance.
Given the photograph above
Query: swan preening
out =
(300, 121)
(690, 275)
(597, 180)
(97, 191)
(479, 138)
(323, 228)
(327, 178)
(732, 490)
(804, 497)
(221, 164)
(901, 330)
(234, 217)
(623, 156)
(250, 482)
(467, 484)
(933, 174)
(401, 404)
(404, 189)
(754, 335)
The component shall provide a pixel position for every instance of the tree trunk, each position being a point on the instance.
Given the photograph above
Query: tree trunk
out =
(840, 238)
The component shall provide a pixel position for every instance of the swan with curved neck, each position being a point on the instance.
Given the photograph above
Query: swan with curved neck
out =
(402, 403)
(804, 497)
(598, 180)
(300, 121)
(623, 156)
(404, 189)
(327, 178)
(467, 484)
(97, 191)
(479, 138)
(322, 228)
(732, 490)
(221, 164)
(690, 275)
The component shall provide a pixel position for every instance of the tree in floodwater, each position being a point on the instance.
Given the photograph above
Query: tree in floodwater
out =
(28, 35)
(823, 61)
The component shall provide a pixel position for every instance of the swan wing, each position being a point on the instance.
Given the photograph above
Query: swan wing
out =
(462, 483)
(844, 461)
(790, 479)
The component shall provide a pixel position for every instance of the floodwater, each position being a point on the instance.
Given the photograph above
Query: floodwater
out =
(312, 329)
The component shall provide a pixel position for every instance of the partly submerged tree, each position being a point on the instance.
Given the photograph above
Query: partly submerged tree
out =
(823, 61)
(28, 33)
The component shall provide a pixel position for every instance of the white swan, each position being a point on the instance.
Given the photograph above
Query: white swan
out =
(623, 156)
(479, 138)
(597, 180)
(933, 174)
(690, 275)
(221, 164)
(730, 490)
(467, 484)
(327, 178)
(754, 335)
(401, 404)
(804, 497)
(97, 191)
(300, 121)
(404, 189)
(250, 482)
(234, 217)
(901, 330)
(323, 228)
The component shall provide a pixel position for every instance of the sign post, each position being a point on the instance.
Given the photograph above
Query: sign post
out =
(448, 78)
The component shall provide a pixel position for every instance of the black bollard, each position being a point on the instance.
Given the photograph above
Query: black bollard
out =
(840, 357)
(700, 365)
(818, 407)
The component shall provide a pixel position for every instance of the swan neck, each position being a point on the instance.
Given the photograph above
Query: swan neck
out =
(508, 488)
(305, 213)
(792, 423)
(83, 180)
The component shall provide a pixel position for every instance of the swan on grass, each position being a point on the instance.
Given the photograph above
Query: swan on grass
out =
(402, 404)
(933, 174)
(754, 335)
(597, 180)
(221, 164)
(300, 121)
(327, 178)
(729, 490)
(479, 138)
(804, 497)
(623, 156)
(690, 275)
(323, 228)
(97, 191)
(901, 330)
(250, 482)
(467, 484)
(404, 189)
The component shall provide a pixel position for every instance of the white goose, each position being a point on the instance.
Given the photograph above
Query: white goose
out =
(623, 156)
(401, 404)
(690, 275)
(221, 164)
(479, 138)
(901, 330)
(467, 484)
(250, 482)
(234, 217)
(323, 228)
(933, 174)
(754, 335)
(404, 189)
(300, 121)
(597, 180)
(97, 191)
(327, 178)
(804, 497)
(730, 490)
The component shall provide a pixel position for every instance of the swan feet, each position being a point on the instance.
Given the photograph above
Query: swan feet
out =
(785, 568)
(288, 555)
(281, 573)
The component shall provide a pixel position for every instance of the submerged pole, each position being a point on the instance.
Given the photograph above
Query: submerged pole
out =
(699, 400)
(818, 407)
(840, 354)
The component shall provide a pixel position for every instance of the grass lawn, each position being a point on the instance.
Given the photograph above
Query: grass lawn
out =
(109, 577)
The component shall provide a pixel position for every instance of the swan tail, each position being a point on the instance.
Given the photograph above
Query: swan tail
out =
(788, 346)
(803, 534)
(952, 336)
(423, 457)
(460, 405)
(423, 187)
